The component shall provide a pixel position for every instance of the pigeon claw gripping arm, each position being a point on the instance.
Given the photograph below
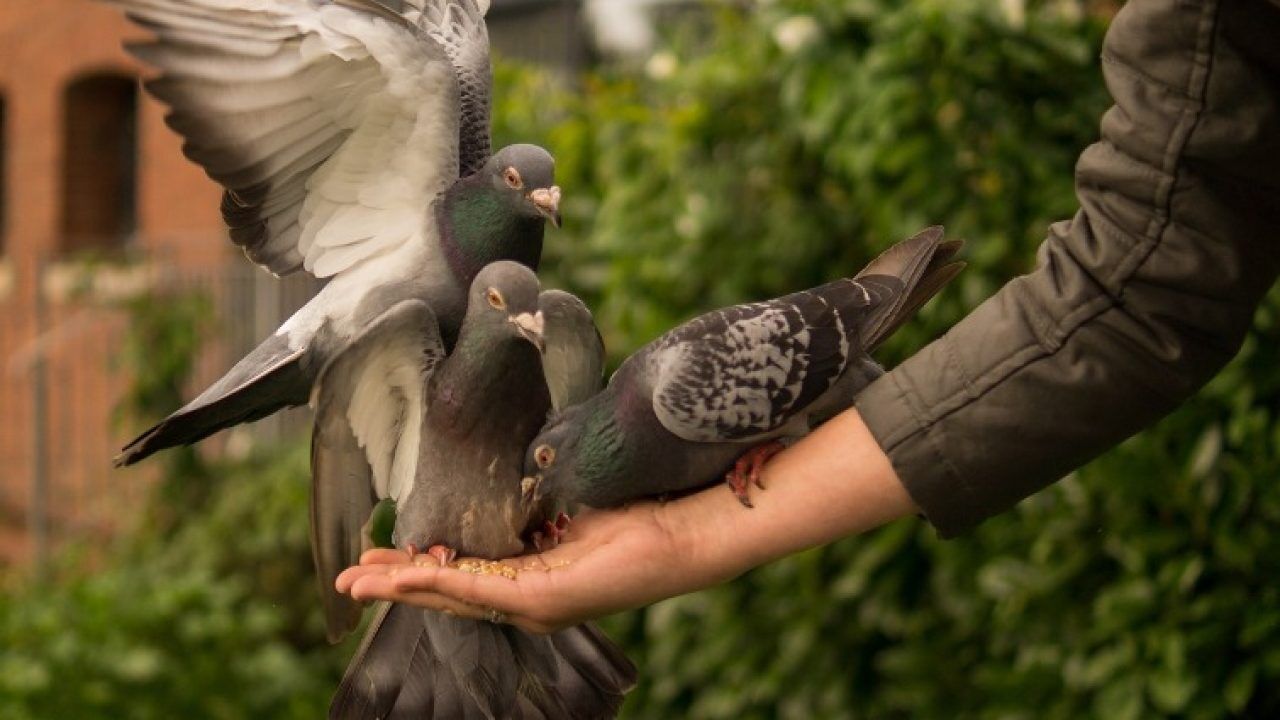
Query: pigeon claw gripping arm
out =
(746, 471)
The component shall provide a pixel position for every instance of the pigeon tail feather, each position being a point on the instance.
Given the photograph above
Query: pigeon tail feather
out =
(421, 664)
(924, 263)
(270, 378)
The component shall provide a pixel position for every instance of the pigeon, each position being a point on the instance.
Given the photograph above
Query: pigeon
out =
(723, 392)
(352, 140)
(572, 352)
(444, 437)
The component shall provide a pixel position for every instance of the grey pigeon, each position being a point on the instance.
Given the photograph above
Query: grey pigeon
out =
(352, 139)
(729, 385)
(573, 351)
(445, 439)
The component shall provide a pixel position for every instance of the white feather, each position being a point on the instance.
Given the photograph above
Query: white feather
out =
(386, 415)
(328, 70)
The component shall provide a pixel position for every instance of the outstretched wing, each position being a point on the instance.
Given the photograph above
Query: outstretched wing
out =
(744, 371)
(329, 124)
(459, 26)
(573, 360)
(369, 404)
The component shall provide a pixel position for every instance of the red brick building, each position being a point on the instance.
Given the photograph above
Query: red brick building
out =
(88, 170)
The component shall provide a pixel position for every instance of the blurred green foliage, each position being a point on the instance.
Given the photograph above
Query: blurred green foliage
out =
(217, 618)
(786, 148)
(764, 152)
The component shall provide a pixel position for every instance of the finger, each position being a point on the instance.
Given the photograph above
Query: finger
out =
(383, 556)
(348, 577)
(495, 591)
(382, 587)
(378, 588)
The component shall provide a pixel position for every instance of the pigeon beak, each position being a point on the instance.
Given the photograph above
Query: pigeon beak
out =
(547, 200)
(531, 327)
(529, 490)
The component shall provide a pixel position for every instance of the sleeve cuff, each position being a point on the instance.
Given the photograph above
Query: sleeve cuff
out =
(913, 443)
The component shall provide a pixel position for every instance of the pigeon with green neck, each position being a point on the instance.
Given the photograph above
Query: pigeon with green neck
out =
(352, 141)
(718, 395)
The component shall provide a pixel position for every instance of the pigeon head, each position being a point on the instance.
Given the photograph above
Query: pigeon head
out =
(504, 299)
(526, 174)
(575, 456)
(548, 464)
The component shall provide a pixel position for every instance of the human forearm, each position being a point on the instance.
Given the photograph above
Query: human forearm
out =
(834, 483)
(1136, 302)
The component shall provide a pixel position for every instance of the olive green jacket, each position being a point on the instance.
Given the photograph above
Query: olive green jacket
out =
(1137, 301)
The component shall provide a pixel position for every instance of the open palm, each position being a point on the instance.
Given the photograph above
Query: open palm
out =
(610, 560)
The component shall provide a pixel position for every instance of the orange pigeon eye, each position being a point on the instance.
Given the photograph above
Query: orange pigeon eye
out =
(513, 178)
(495, 299)
(544, 456)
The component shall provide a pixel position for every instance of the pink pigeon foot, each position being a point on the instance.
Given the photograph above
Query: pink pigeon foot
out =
(552, 533)
(442, 554)
(746, 471)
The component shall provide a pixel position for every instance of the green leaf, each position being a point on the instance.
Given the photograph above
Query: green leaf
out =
(1240, 687)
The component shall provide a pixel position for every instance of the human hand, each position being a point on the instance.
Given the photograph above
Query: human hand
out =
(833, 483)
(609, 561)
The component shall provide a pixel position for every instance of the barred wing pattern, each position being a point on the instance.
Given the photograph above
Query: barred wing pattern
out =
(745, 371)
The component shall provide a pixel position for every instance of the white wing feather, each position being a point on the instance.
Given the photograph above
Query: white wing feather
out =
(332, 126)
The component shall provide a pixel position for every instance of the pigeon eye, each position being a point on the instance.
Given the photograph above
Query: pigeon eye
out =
(544, 456)
(512, 176)
(496, 301)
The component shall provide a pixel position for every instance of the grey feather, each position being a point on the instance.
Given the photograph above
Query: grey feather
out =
(573, 359)
(253, 107)
(402, 347)
(404, 668)
(341, 502)
(460, 27)
(743, 372)
(272, 377)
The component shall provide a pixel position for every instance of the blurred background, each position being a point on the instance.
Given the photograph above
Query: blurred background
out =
(710, 152)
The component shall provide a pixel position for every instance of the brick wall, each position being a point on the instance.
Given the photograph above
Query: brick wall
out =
(46, 47)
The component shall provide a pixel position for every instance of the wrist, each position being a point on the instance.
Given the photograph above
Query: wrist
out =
(831, 484)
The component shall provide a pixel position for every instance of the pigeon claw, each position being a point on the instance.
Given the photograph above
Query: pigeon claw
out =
(552, 533)
(746, 471)
(443, 554)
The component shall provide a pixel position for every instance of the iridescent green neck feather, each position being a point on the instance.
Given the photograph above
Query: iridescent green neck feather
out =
(481, 224)
(602, 458)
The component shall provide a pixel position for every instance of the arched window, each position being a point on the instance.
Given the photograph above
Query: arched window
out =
(99, 166)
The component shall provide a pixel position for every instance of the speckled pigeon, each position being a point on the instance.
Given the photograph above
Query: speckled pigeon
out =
(445, 438)
(730, 384)
(352, 139)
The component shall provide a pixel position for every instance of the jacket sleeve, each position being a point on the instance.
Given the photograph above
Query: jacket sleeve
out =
(1137, 301)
